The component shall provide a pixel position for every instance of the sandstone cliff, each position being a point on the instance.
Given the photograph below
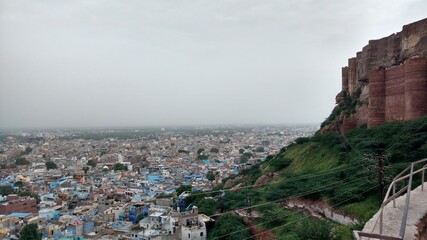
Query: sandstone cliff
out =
(385, 82)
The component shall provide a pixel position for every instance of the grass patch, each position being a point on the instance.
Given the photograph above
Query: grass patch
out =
(310, 158)
(363, 210)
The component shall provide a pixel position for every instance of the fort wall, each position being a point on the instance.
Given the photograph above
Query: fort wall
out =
(391, 74)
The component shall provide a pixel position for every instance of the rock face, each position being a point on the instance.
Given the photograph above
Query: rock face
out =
(422, 229)
(258, 232)
(390, 74)
(319, 209)
(231, 182)
(262, 180)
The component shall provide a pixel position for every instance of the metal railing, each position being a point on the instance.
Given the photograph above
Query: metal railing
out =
(402, 176)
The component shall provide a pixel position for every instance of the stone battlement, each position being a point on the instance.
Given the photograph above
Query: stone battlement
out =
(391, 76)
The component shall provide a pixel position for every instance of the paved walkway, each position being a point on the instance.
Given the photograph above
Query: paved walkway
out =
(393, 216)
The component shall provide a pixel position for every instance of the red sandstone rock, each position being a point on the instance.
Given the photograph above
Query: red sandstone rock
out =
(345, 77)
(258, 233)
(348, 123)
(229, 183)
(262, 180)
(236, 188)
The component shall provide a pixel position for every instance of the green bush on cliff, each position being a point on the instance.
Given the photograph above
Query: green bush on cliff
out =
(313, 229)
(346, 107)
(252, 173)
(229, 226)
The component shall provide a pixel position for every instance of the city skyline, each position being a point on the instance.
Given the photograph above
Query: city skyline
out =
(159, 63)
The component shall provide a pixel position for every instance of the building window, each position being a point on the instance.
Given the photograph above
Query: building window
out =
(189, 236)
(201, 234)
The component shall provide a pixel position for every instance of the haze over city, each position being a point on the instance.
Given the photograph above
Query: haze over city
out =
(149, 63)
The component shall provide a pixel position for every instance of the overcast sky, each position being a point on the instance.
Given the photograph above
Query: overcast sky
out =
(100, 63)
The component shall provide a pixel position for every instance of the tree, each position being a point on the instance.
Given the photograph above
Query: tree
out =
(120, 167)
(19, 184)
(85, 169)
(50, 165)
(183, 151)
(244, 158)
(28, 150)
(260, 149)
(200, 150)
(140, 217)
(29, 232)
(248, 154)
(206, 206)
(241, 151)
(91, 163)
(6, 190)
(202, 157)
(210, 175)
(21, 161)
(214, 150)
(229, 226)
(183, 188)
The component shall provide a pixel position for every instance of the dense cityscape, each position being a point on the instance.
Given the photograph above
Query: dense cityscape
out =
(124, 183)
(213, 120)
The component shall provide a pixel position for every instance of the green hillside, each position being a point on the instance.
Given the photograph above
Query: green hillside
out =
(340, 170)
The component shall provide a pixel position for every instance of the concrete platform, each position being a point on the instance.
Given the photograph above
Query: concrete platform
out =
(393, 216)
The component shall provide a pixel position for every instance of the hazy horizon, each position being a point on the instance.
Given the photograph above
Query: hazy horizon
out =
(100, 64)
(158, 127)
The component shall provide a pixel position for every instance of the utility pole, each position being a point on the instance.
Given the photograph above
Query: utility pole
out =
(381, 180)
(376, 170)
(248, 200)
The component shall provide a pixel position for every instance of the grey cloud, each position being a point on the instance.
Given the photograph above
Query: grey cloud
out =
(136, 63)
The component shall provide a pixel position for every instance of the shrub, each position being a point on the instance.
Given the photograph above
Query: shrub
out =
(280, 163)
(313, 229)
(50, 165)
(21, 161)
(229, 226)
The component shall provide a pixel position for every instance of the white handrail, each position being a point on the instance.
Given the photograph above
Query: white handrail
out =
(407, 187)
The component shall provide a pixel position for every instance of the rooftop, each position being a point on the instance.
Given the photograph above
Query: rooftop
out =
(156, 214)
(19, 215)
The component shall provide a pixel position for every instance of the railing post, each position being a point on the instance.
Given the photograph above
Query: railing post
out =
(381, 220)
(422, 180)
(405, 210)
(394, 192)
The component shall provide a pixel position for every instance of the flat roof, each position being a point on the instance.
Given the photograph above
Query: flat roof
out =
(19, 215)
(156, 214)
(56, 207)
